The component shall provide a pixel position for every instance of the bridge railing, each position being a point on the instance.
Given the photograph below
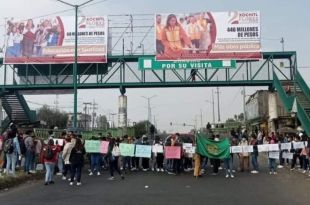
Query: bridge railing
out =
(286, 99)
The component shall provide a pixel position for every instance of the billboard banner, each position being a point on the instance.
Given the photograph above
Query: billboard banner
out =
(52, 40)
(208, 35)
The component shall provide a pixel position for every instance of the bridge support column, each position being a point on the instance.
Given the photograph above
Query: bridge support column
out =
(273, 110)
(122, 113)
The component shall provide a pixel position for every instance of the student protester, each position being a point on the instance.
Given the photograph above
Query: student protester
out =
(49, 159)
(272, 161)
(216, 162)
(66, 157)
(145, 161)
(244, 156)
(77, 161)
(29, 155)
(296, 154)
(254, 154)
(159, 156)
(113, 157)
(136, 160)
(127, 159)
(12, 151)
(95, 162)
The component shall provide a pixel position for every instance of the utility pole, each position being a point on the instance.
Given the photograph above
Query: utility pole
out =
(213, 110)
(149, 115)
(76, 8)
(85, 114)
(57, 102)
(201, 119)
(282, 42)
(94, 113)
(218, 105)
(244, 96)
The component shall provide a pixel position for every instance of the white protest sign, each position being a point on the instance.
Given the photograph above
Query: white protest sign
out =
(193, 150)
(58, 141)
(247, 148)
(187, 147)
(158, 149)
(273, 147)
(262, 148)
(274, 155)
(236, 149)
(286, 146)
(298, 145)
(306, 143)
(287, 155)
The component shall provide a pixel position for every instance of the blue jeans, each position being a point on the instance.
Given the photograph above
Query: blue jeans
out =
(254, 162)
(127, 163)
(272, 165)
(228, 165)
(49, 166)
(95, 162)
(29, 155)
(11, 160)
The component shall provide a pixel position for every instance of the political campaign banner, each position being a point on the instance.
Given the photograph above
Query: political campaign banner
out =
(208, 35)
(144, 151)
(92, 146)
(127, 149)
(172, 152)
(104, 146)
(51, 40)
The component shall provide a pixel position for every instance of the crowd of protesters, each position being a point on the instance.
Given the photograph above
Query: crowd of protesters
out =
(68, 159)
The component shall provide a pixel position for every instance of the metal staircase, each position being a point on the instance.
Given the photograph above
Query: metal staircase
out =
(17, 109)
(299, 90)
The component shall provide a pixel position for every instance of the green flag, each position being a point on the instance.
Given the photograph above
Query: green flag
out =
(212, 149)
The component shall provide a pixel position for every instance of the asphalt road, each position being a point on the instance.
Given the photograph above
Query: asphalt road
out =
(148, 188)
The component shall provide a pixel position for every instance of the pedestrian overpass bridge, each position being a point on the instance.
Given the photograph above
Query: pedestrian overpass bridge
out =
(276, 70)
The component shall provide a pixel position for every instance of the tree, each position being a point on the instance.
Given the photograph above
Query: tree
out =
(241, 117)
(102, 122)
(53, 118)
(141, 128)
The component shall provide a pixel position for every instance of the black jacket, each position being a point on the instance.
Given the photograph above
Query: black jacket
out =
(77, 156)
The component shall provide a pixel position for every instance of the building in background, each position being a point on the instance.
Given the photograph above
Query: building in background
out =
(83, 121)
(264, 111)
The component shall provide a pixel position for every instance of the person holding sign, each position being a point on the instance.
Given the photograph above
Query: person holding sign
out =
(272, 161)
(113, 156)
(159, 155)
(66, 157)
(296, 154)
(145, 161)
(254, 154)
(244, 156)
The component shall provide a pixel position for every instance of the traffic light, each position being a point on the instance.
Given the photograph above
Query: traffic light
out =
(170, 123)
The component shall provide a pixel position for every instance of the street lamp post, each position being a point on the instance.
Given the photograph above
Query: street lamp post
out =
(76, 7)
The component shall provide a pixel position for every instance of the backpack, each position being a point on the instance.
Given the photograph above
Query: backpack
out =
(49, 154)
(8, 147)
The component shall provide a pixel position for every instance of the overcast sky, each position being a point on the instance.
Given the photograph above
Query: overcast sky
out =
(283, 18)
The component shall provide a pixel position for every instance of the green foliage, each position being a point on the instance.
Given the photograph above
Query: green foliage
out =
(52, 117)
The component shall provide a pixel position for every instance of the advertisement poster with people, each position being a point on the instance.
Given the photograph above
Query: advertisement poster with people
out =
(208, 35)
(52, 40)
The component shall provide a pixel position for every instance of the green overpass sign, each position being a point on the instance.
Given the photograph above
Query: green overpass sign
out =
(149, 63)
